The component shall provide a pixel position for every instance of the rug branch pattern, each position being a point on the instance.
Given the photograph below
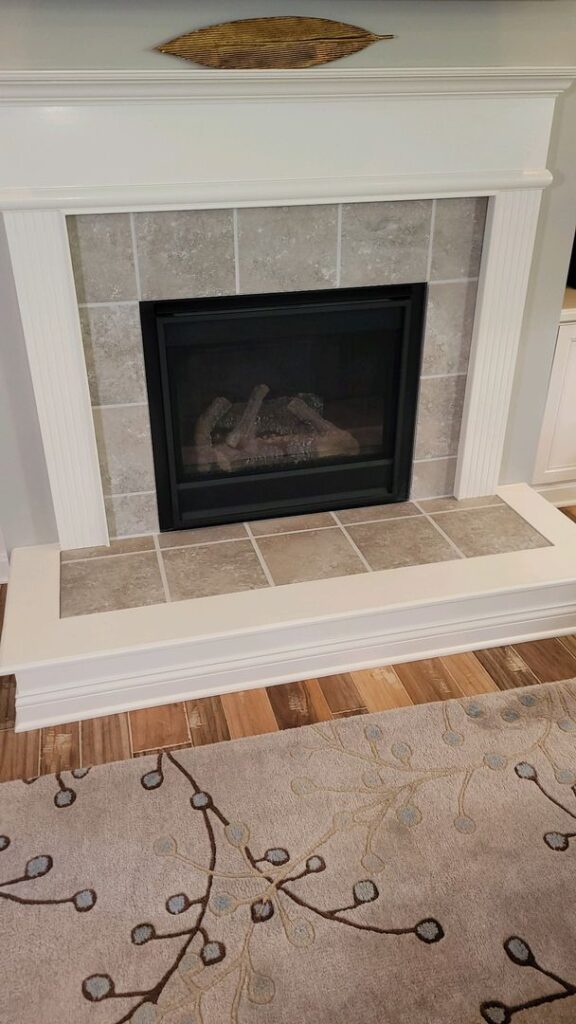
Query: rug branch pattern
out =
(261, 863)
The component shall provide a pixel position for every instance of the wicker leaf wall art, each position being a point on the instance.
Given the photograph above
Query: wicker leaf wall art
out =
(286, 42)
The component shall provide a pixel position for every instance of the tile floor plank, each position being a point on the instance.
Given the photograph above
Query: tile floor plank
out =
(207, 721)
(469, 674)
(60, 748)
(507, 667)
(296, 704)
(549, 659)
(248, 713)
(105, 739)
(427, 680)
(380, 689)
(164, 726)
(7, 702)
(19, 755)
(341, 693)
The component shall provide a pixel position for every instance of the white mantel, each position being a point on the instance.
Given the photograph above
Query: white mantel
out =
(101, 141)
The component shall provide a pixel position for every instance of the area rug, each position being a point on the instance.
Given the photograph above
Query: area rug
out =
(411, 866)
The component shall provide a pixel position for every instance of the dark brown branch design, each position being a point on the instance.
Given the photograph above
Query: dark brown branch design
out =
(520, 953)
(211, 951)
(558, 841)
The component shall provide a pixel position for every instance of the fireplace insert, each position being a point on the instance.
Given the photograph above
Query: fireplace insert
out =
(269, 405)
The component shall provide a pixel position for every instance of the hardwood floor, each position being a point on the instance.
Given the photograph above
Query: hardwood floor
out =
(287, 706)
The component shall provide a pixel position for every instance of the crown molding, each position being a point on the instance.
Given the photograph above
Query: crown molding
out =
(81, 86)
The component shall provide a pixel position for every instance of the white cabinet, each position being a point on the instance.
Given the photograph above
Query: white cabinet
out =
(556, 459)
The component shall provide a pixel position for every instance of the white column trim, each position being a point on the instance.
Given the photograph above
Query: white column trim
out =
(506, 260)
(42, 269)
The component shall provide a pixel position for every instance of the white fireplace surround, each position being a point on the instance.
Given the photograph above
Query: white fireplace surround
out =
(89, 142)
(102, 141)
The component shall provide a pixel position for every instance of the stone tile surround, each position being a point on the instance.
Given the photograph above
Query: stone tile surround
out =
(121, 258)
(215, 560)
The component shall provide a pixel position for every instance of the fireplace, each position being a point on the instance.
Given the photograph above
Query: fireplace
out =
(273, 405)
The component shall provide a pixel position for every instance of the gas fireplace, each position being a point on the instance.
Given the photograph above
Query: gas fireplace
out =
(269, 405)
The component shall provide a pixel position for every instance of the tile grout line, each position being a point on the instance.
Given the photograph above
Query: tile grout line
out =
(440, 376)
(236, 250)
(339, 245)
(162, 569)
(260, 556)
(431, 242)
(352, 544)
(118, 302)
(441, 531)
(124, 405)
(135, 255)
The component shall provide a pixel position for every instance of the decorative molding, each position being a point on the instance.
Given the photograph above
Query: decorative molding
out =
(40, 256)
(269, 192)
(506, 261)
(69, 87)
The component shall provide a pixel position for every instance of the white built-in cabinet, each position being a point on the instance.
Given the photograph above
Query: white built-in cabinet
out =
(556, 459)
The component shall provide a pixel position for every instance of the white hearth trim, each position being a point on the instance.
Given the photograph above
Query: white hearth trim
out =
(101, 664)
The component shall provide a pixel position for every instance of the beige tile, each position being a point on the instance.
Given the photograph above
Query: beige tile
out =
(288, 524)
(210, 569)
(401, 542)
(458, 237)
(312, 555)
(373, 512)
(449, 324)
(454, 504)
(116, 547)
(130, 514)
(432, 478)
(287, 248)
(102, 258)
(439, 417)
(202, 535)
(124, 448)
(490, 531)
(385, 243)
(107, 584)
(114, 357)
(185, 253)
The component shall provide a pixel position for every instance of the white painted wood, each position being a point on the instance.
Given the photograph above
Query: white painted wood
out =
(506, 260)
(99, 664)
(305, 84)
(277, 138)
(44, 284)
(558, 494)
(556, 458)
(4, 561)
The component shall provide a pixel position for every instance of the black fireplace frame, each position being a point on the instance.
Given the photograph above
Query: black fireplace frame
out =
(345, 485)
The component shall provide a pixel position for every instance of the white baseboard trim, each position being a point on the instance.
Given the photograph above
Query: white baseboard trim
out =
(558, 494)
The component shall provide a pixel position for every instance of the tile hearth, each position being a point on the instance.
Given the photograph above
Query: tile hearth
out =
(139, 571)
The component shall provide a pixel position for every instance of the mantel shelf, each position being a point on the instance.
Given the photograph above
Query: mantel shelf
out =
(189, 84)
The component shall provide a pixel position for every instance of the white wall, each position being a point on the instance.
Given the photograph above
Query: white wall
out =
(122, 33)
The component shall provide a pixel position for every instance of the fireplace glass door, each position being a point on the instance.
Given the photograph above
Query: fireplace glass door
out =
(279, 404)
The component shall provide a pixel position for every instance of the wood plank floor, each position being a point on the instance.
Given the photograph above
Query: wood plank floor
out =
(286, 706)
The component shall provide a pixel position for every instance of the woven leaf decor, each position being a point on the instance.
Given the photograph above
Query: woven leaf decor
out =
(270, 43)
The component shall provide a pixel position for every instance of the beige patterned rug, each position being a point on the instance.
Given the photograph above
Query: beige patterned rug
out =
(410, 867)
